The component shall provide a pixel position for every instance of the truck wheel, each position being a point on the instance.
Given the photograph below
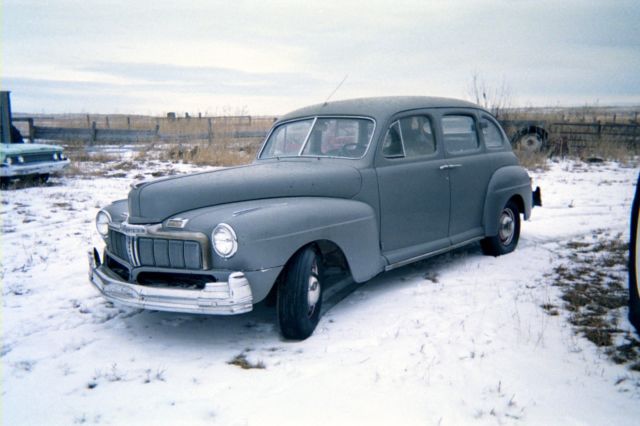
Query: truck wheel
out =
(530, 142)
(508, 232)
(300, 295)
(634, 263)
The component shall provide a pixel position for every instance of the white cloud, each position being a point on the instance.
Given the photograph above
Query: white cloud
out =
(293, 53)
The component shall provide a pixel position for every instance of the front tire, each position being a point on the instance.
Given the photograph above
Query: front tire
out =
(300, 295)
(508, 232)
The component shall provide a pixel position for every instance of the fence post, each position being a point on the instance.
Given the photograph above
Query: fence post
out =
(88, 121)
(32, 130)
(94, 132)
(106, 122)
(210, 131)
(128, 122)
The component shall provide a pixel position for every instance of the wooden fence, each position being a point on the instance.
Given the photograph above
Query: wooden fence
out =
(108, 135)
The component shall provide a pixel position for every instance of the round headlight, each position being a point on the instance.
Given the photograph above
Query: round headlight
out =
(225, 242)
(55, 156)
(8, 161)
(20, 159)
(102, 223)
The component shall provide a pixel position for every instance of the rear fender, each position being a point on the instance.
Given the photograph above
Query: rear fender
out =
(506, 182)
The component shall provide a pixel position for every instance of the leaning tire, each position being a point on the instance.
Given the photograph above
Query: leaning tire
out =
(530, 142)
(300, 295)
(508, 232)
(634, 266)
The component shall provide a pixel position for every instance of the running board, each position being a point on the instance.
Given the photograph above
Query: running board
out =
(430, 254)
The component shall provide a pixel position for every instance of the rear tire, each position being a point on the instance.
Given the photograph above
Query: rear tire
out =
(508, 232)
(300, 295)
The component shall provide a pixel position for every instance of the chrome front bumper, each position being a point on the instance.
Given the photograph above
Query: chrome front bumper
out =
(219, 298)
(33, 168)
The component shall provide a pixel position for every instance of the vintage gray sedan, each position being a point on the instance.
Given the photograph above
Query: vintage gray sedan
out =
(366, 185)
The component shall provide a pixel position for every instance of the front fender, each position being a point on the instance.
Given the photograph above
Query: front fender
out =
(270, 231)
(505, 183)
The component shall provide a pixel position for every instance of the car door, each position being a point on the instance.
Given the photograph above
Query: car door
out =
(470, 169)
(413, 190)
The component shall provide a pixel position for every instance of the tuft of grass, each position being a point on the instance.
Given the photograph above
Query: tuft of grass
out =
(241, 361)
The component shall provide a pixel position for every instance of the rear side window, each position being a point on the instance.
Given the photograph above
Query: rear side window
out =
(493, 137)
(459, 132)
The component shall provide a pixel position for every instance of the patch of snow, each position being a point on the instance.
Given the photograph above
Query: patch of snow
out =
(460, 338)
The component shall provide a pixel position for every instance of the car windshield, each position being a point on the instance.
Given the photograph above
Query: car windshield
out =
(343, 137)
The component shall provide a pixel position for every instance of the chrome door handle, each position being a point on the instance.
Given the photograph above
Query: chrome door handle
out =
(450, 166)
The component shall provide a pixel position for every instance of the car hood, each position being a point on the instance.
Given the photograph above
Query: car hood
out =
(27, 148)
(155, 201)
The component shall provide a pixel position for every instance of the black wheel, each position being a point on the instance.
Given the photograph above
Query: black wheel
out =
(43, 178)
(634, 262)
(508, 232)
(300, 295)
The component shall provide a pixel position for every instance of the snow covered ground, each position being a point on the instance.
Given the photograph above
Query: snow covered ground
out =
(457, 339)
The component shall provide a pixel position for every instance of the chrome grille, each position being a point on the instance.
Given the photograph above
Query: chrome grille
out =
(38, 157)
(159, 252)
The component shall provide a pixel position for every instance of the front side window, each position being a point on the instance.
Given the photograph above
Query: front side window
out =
(459, 132)
(409, 137)
(321, 137)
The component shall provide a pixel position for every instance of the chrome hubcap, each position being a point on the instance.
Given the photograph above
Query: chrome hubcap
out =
(313, 290)
(507, 227)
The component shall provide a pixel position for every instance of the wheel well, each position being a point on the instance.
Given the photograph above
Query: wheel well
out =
(332, 256)
(517, 199)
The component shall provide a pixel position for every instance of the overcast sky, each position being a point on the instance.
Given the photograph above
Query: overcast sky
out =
(264, 57)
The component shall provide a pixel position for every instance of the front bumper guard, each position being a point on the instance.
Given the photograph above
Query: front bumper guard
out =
(217, 298)
(16, 170)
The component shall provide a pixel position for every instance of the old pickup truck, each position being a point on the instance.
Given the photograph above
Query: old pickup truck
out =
(366, 184)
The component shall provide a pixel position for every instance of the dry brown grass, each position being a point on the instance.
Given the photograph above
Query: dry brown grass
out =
(592, 280)
(223, 153)
(532, 160)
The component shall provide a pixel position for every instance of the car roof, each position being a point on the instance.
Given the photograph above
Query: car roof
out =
(377, 107)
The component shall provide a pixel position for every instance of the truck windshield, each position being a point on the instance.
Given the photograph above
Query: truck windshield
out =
(343, 137)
